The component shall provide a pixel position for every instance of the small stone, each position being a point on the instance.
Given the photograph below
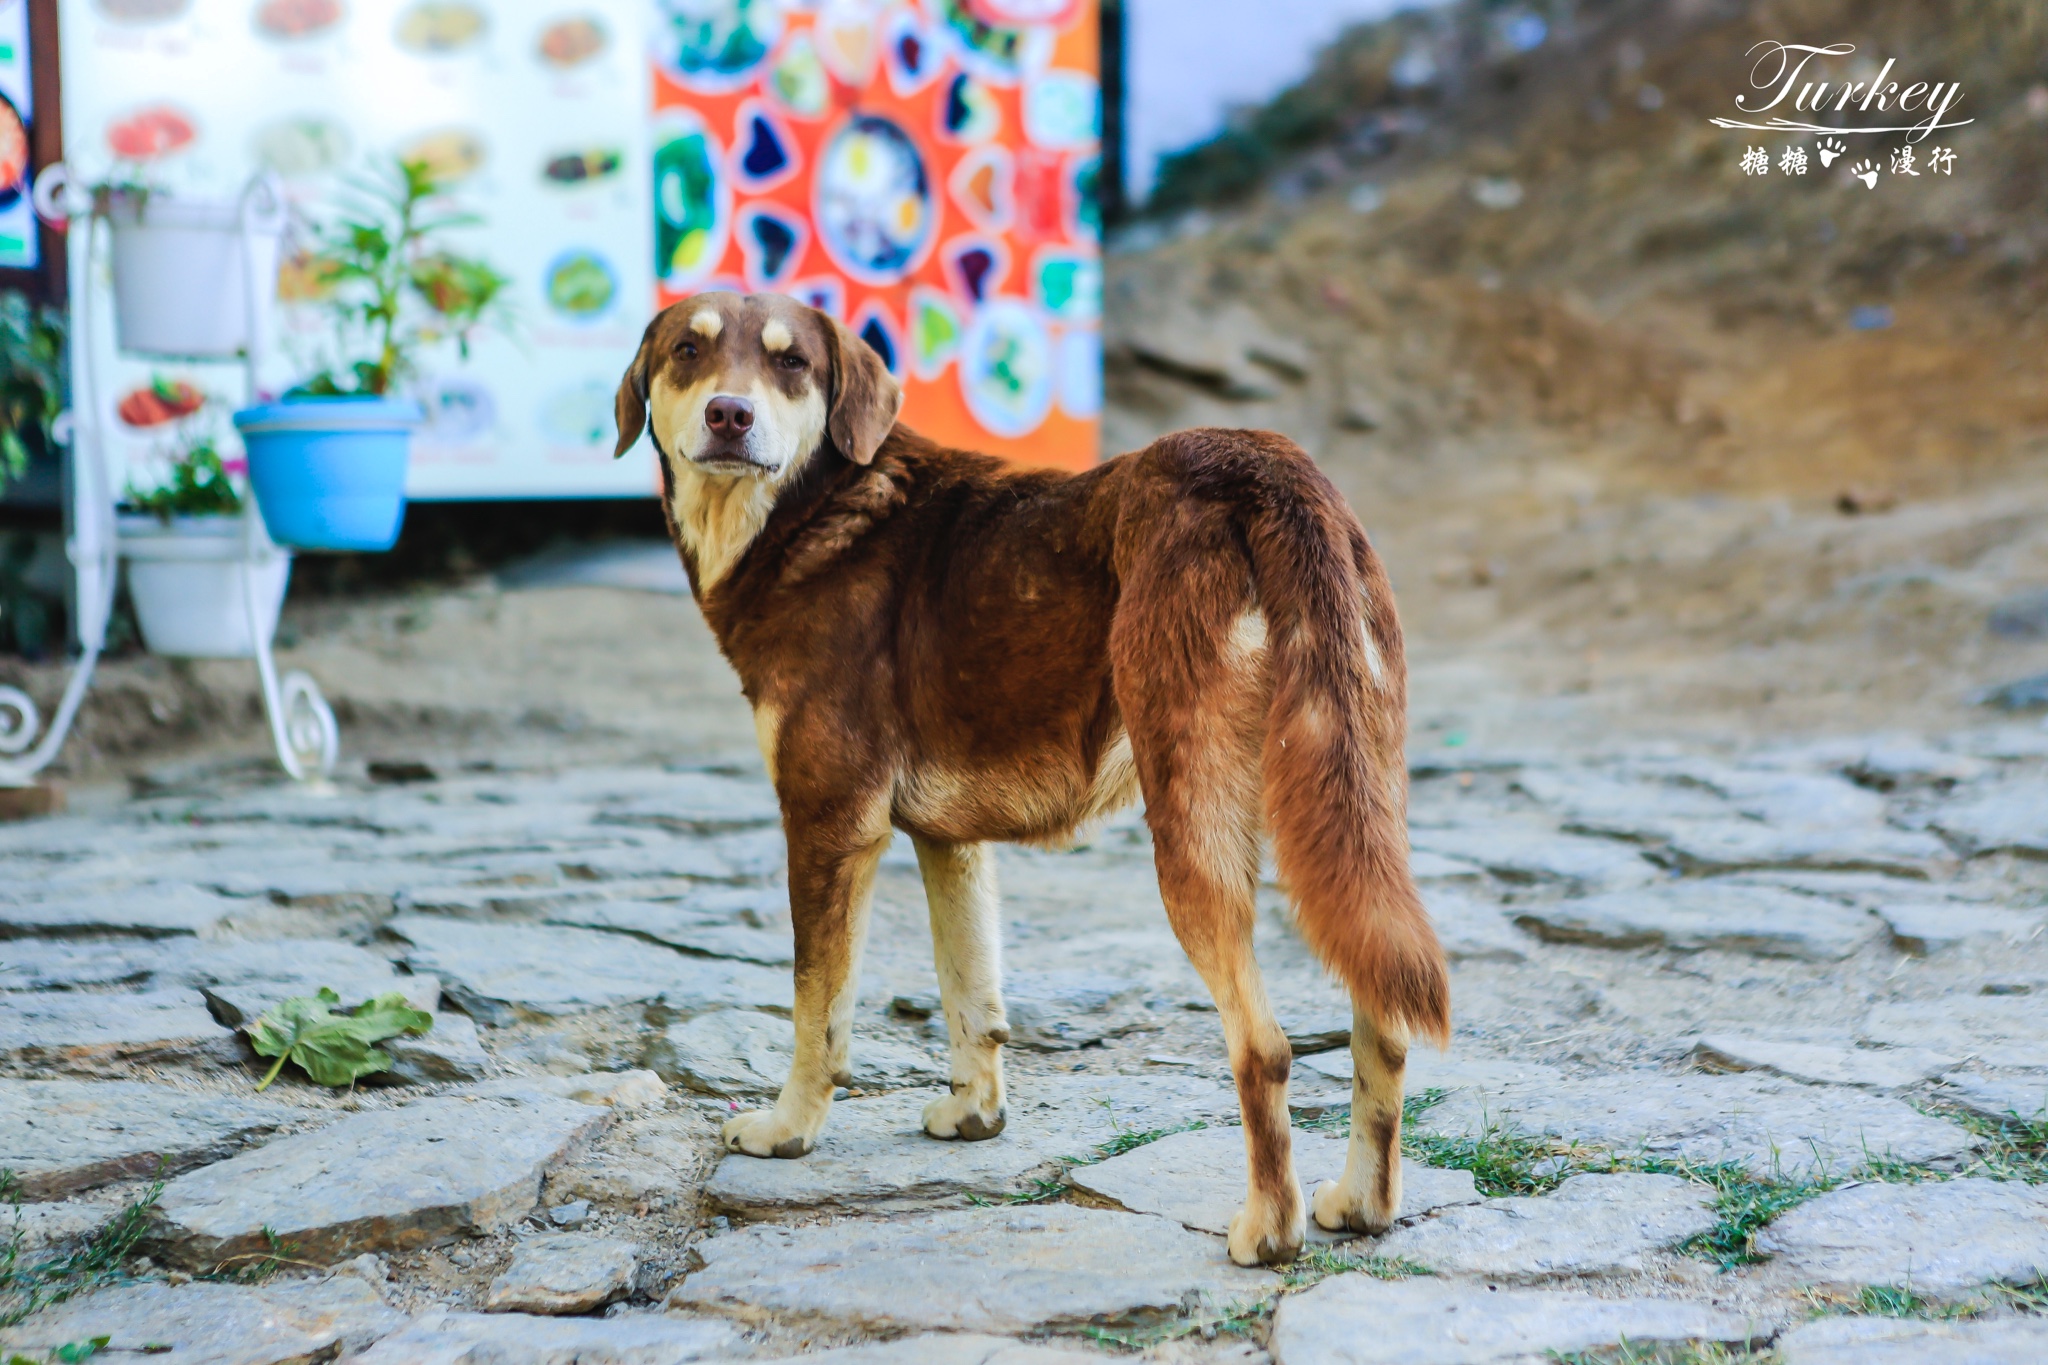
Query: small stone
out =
(987, 1270)
(1904, 1341)
(1820, 1063)
(1769, 1124)
(1998, 1030)
(1358, 1320)
(744, 1052)
(2003, 1099)
(1928, 927)
(2011, 816)
(502, 973)
(71, 1030)
(381, 1180)
(875, 1152)
(569, 1273)
(1939, 1237)
(1689, 916)
(284, 1322)
(368, 1267)
(449, 1051)
(570, 1215)
(1591, 1225)
(440, 1337)
(1198, 1178)
(59, 1137)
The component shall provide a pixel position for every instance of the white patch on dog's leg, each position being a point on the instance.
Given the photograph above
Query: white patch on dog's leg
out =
(960, 886)
(1368, 1195)
(768, 733)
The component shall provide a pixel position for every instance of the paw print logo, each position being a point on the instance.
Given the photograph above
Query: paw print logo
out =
(1865, 171)
(1830, 148)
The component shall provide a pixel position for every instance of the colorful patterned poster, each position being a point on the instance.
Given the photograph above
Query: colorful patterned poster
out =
(922, 169)
(19, 247)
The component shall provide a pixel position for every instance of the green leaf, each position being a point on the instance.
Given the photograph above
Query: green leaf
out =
(74, 1351)
(333, 1047)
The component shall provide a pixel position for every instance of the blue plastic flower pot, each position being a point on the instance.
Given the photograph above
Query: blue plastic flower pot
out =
(329, 473)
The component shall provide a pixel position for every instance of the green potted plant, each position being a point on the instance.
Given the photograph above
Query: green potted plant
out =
(328, 463)
(191, 563)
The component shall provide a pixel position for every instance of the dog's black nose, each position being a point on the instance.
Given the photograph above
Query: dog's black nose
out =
(728, 415)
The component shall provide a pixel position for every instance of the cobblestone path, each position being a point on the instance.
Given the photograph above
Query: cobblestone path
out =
(1752, 1051)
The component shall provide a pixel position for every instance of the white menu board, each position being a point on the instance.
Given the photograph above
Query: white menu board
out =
(536, 107)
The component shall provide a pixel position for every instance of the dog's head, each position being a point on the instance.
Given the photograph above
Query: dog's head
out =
(751, 385)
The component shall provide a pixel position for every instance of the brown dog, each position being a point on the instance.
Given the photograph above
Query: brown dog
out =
(968, 652)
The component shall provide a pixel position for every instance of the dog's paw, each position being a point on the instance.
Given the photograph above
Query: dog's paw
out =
(764, 1132)
(958, 1117)
(1266, 1233)
(1338, 1210)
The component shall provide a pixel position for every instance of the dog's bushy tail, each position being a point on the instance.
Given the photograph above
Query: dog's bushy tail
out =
(1334, 769)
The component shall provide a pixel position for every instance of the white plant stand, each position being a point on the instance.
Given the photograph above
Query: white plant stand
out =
(302, 725)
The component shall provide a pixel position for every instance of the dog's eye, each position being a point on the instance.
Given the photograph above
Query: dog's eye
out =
(690, 350)
(791, 361)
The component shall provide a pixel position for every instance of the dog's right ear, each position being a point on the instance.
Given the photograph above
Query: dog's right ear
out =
(629, 409)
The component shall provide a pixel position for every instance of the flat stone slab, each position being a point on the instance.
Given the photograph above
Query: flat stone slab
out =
(1998, 1030)
(1430, 1070)
(696, 930)
(1590, 1225)
(567, 1273)
(745, 1052)
(60, 1136)
(977, 1270)
(1690, 916)
(284, 1322)
(1358, 1320)
(1733, 845)
(1820, 1063)
(1060, 1010)
(1198, 1178)
(443, 1338)
(76, 1030)
(1474, 930)
(242, 980)
(382, 1180)
(2011, 816)
(46, 1226)
(148, 911)
(699, 803)
(875, 1152)
(502, 973)
(951, 1348)
(1939, 1237)
(653, 1160)
(1903, 1341)
(450, 1051)
(2001, 1098)
(1519, 852)
(1765, 1122)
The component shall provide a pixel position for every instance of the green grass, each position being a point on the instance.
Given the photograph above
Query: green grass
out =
(2016, 1149)
(25, 1288)
(1319, 1263)
(1130, 1139)
(1672, 1353)
(1744, 1202)
(1238, 1320)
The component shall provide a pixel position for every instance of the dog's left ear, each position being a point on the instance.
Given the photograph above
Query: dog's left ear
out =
(865, 397)
(629, 408)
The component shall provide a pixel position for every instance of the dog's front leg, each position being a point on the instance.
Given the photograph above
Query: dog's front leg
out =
(960, 886)
(831, 882)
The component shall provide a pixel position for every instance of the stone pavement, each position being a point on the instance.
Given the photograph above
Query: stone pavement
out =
(1741, 1039)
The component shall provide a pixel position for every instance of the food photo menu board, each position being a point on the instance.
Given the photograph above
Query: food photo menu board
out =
(923, 169)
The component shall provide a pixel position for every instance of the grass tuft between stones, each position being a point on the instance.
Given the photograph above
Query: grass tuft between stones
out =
(1665, 1353)
(1236, 1320)
(27, 1288)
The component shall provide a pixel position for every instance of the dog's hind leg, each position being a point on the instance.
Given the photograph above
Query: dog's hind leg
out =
(831, 884)
(960, 886)
(1368, 1195)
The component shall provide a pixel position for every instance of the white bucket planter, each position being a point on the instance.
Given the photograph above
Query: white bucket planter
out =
(190, 588)
(183, 272)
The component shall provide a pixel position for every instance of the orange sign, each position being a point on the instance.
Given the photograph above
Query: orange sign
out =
(925, 172)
